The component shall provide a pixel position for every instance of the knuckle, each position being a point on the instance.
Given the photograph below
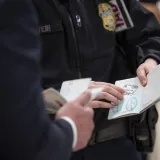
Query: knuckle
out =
(70, 104)
(99, 104)
(92, 104)
(86, 96)
(95, 104)
(118, 94)
(91, 86)
(108, 105)
(75, 104)
(104, 105)
(109, 89)
(92, 83)
(109, 84)
(103, 95)
(140, 67)
(89, 111)
(106, 96)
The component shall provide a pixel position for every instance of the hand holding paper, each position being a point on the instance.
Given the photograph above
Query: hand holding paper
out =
(137, 98)
(144, 69)
(70, 90)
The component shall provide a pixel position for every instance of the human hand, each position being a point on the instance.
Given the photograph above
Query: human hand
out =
(111, 93)
(82, 117)
(144, 69)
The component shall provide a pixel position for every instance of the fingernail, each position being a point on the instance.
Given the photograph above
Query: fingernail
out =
(111, 105)
(115, 103)
(121, 97)
(144, 82)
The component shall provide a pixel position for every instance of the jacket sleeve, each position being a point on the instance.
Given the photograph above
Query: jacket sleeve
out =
(143, 40)
(149, 1)
(26, 131)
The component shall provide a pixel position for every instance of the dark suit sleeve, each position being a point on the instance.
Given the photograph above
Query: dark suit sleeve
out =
(25, 130)
(142, 41)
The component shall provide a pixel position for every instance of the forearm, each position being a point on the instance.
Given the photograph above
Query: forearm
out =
(143, 41)
(152, 6)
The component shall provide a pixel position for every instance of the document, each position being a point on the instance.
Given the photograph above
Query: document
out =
(70, 90)
(137, 98)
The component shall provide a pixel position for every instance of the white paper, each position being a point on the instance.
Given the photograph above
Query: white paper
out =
(54, 100)
(132, 101)
(71, 90)
(151, 92)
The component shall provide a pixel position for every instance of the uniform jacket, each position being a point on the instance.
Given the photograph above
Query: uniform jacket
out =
(79, 40)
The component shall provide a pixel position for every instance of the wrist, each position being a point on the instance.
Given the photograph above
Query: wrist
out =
(151, 60)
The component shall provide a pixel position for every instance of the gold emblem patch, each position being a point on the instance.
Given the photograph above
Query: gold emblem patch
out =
(108, 16)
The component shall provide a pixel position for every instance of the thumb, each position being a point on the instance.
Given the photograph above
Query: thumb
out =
(84, 98)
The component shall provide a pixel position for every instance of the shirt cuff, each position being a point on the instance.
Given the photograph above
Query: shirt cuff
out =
(74, 129)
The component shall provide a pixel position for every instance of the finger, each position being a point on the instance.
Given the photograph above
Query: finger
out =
(89, 111)
(84, 98)
(97, 84)
(99, 104)
(108, 97)
(119, 89)
(112, 89)
(141, 73)
(113, 92)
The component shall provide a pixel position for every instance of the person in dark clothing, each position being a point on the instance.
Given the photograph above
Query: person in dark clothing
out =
(151, 5)
(107, 41)
(26, 130)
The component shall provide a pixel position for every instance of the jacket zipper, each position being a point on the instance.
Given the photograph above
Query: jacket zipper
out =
(71, 32)
(77, 52)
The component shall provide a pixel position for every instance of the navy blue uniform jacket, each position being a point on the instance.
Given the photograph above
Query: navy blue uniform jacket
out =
(25, 130)
(76, 44)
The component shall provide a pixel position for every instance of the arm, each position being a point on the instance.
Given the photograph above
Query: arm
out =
(26, 131)
(143, 41)
(151, 5)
